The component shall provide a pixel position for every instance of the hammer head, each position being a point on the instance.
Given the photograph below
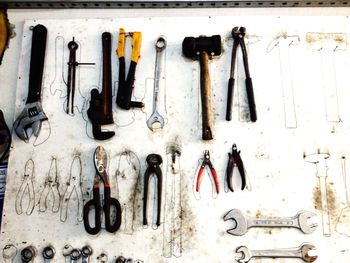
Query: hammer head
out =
(192, 46)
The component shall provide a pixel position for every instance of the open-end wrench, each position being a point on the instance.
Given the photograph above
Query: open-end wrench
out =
(86, 252)
(28, 254)
(243, 223)
(156, 120)
(298, 252)
(75, 255)
(9, 253)
(48, 254)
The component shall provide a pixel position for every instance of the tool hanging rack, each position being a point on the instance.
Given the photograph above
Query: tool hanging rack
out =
(27, 4)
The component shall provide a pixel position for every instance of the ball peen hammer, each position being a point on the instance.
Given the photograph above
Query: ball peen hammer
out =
(203, 48)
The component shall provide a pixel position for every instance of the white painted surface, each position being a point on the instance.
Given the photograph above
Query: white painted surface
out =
(282, 183)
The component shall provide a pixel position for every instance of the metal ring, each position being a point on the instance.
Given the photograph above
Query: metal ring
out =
(75, 254)
(27, 254)
(86, 251)
(161, 43)
(49, 252)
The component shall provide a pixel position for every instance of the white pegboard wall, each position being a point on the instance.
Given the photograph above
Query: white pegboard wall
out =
(282, 183)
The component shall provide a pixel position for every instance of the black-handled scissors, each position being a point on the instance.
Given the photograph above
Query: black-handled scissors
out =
(110, 204)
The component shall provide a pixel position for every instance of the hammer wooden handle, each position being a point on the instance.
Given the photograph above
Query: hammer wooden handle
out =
(207, 115)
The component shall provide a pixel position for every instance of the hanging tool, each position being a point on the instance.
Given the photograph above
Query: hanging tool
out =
(73, 185)
(86, 252)
(28, 254)
(234, 159)
(111, 207)
(242, 222)
(238, 34)
(206, 162)
(5, 139)
(301, 252)
(154, 161)
(100, 110)
(319, 158)
(204, 48)
(48, 253)
(32, 114)
(27, 186)
(51, 186)
(72, 65)
(156, 120)
(125, 87)
(4, 32)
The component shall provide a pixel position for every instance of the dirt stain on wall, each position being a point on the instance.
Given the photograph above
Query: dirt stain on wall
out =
(331, 200)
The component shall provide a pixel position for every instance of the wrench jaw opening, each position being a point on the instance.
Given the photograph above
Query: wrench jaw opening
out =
(155, 122)
(305, 249)
(246, 254)
(241, 224)
(305, 226)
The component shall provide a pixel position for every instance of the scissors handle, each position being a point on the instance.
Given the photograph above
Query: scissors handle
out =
(109, 203)
(95, 205)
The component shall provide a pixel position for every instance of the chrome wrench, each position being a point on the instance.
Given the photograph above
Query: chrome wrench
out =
(301, 252)
(75, 255)
(86, 252)
(156, 120)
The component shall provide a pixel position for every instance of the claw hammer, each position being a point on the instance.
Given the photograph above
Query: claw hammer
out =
(204, 48)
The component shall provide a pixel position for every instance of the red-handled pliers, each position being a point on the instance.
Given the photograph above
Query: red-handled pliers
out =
(206, 161)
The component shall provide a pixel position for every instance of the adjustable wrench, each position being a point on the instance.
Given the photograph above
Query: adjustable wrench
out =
(48, 254)
(9, 253)
(33, 114)
(299, 252)
(156, 119)
(86, 252)
(243, 223)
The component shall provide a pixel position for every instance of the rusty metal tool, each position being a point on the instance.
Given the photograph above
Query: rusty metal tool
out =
(100, 110)
(204, 48)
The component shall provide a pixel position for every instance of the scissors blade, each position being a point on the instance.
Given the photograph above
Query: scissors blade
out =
(100, 158)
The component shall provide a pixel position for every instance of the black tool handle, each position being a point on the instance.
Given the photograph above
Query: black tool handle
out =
(251, 100)
(159, 198)
(231, 83)
(95, 205)
(207, 115)
(37, 59)
(107, 73)
(109, 204)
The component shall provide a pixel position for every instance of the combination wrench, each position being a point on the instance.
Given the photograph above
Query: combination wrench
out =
(156, 120)
(28, 254)
(86, 252)
(9, 253)
(243, 223)
(298, 252)
(48, 254)
(75, 255)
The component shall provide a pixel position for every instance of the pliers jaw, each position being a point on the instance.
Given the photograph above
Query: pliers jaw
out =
(206, 162)
(238, 32)
(234, 159)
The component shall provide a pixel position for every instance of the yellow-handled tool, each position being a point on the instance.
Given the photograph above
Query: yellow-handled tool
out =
(4, 32)
(125, 86)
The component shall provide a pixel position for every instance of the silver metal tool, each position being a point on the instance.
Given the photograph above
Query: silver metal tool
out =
(9, 253)
(28, 254)
(51, 186)
(298, 252)
(48, 254)
(86, 252)
(319, 158)
(243, 223)
(156, 120)
(75, 255)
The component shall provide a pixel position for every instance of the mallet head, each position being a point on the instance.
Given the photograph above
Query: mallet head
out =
(192, 46)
